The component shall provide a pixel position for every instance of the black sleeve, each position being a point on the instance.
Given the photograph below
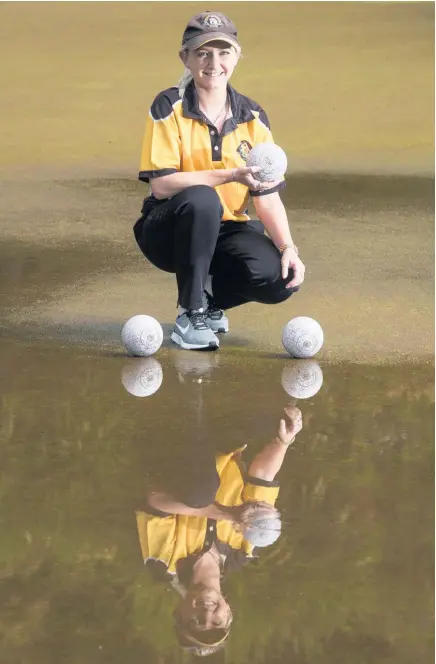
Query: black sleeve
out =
(258, 482)
(281, 185)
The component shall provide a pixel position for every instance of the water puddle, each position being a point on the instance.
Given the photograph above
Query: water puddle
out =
(349, 573)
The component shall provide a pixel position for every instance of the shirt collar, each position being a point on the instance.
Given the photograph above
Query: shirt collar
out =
(240, 109)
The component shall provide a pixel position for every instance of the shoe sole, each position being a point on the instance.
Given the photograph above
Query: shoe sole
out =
(222, 330)
(179, 341)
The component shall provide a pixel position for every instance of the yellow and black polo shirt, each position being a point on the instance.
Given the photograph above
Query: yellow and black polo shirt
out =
(170, 538)
(179, 138)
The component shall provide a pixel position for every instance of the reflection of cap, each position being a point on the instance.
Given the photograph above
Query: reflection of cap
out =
(207, 27)
(204, 643)
(201, 646)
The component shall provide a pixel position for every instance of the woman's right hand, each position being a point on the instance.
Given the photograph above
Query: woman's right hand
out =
(290, 426)
(245, 176)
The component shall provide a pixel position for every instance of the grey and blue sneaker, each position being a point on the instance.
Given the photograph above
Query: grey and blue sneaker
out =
(192, 332)
(215, 318)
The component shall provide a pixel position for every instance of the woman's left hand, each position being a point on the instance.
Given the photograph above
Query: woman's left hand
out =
(290, 259)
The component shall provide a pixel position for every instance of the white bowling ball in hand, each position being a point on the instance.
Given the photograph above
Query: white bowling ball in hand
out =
(271, 159)
(302, 380)
(302, 337)
(143, 377)
(142, 335)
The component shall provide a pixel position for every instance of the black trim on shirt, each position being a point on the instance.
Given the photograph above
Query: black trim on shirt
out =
(264, 118)
(216, 143)
(242, 107)
(145, 176)
(258, 482)
(210, 535)
(158, 570)
(155, 512)
(162, 105)
(265, 192)
(246, 106)
(190, 105)
(235, 559)
(242, 112)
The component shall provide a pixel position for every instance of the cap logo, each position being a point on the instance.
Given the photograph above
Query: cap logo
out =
(212, 21)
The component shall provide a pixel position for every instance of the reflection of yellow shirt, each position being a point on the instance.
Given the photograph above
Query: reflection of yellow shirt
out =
(174, 537)
(178, 139)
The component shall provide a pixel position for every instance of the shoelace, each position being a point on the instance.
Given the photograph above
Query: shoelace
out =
(212, 311)
(197, 320)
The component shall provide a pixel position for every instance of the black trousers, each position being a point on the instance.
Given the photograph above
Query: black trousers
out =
(184, 235)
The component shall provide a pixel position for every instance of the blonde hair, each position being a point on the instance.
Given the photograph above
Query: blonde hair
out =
(184, 81)
(187, 77)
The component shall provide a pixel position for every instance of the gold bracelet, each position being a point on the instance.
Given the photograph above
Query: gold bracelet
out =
(288, 246)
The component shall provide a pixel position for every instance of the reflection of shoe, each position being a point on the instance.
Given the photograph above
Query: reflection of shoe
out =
(215, 318)
(192, 333)
(195, 367)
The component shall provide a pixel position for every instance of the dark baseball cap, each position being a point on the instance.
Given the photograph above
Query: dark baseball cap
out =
(208, 27)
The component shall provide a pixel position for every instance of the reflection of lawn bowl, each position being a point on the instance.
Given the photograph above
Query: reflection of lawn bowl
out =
(302, 379)
(263, 530)
(142, 378)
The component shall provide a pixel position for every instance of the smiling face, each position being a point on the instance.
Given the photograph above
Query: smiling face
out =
(211, 65)
(203, 609)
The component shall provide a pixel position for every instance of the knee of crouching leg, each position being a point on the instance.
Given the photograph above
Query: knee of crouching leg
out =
(204, 199)
(279, 292)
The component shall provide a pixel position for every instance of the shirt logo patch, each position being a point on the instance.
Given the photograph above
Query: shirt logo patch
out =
(244, 149)
(212, 21)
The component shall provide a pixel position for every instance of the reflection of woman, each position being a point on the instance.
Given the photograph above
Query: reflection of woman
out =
(195, 537)
(195, 224)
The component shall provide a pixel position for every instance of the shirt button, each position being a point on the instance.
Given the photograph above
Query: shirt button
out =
(210, 527)
(216, 148)
(212, 133)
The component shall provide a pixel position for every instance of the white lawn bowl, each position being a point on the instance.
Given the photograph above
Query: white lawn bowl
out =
(263, 531)
(302, 379)
(142, 377)
(271, 159)
(142, 335)
(302, 337)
